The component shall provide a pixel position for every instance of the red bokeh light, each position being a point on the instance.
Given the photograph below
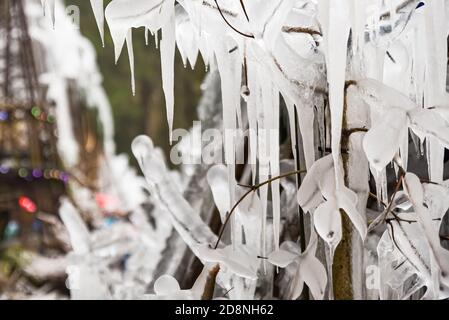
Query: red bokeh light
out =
(27, 204)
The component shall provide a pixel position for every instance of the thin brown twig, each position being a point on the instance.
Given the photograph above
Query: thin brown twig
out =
(251, 189)
(396, 189)
(209, 287)
(377, 198)
(289, 29)
(230, 25)
(244, 9)
(227, 292)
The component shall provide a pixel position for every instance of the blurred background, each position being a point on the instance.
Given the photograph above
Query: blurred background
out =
(70, 189)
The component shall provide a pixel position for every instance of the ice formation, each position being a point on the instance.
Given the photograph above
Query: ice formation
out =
(380, 70)
(92, 251)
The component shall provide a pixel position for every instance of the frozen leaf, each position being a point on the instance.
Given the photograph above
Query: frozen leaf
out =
(308, 194)
(430, 123)
(327, 221)
(308, 268)
(240, 261)
(78, 232)
(382, 97)
(281, 258)
(249, 213)
(415, 192)
(314, 275)
(320, 179)
(347, 200)
(382, 141)
(297, 285)
(166, 285)
(217, 177)
(167, 288)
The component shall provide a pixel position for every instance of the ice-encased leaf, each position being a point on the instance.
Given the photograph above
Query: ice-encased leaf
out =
(308, 268)
(166, 285)
(187, 222)
(314, 275)
(397, 261)
(327, 221)
(282, 258)
(297, 286)
(443, 110)
(78, 232)
(382, 97)
(430, 123)
(320, 183)
(249, 212)
(382, 141)
(401, 201)
(309, 195)
(414, 189)
(347, 200)
(217, 177)
(273, 26)
(436, 198)
(240, 261)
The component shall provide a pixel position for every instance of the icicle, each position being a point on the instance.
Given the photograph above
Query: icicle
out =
(378, 182)
(98, 9)
(230, 73)
(156, 39)
(43, 2)
(414, 189)
(118, 32)
(330, 252)
(435, 85)
(264, 99)
(187, 222)
(321, 119)
(292, 123)
(274, 165)
(382, 185)
(358, 21)
(435, 159)
(251, 107)
(50, 4)
(337, 39)
(306, 118)
(168, 46)
(129, 44)
(147, 34)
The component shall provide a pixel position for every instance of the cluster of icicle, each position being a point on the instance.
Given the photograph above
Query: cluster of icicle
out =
(395, 54)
